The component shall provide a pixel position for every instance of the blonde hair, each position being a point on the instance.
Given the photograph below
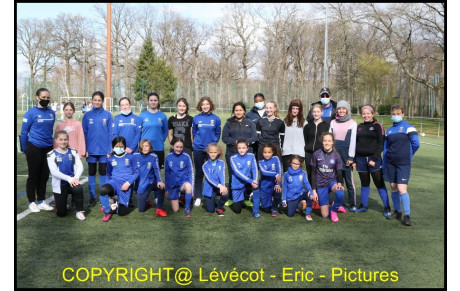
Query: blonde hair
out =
(277, 110)
(317, 106)
(214, 144)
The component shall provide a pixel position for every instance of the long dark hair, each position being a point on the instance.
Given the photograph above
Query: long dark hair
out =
(290, 118)
(98, 93)
(182, 99)
(239, 103)
(117, 140)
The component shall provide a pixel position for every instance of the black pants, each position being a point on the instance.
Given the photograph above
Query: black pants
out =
(161, 158)
(307, 164)
(38, 171)
(61, 199)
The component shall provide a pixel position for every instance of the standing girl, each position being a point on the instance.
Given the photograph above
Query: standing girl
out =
(235, 128)
(270, 128)
(270, 179)
(149, 178)
(97, 128)
(344, 130)
(244, 168)
(294, 142)
(295, 179)
(66, 168)
(36, 142)
(179, 176)
(368, 160)
(206, 129)
(180, 125)
(326, 165)
(73, 128)
(214, 183)
(128, 125)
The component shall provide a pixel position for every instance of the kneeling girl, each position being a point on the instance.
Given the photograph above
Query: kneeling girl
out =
(214, 183)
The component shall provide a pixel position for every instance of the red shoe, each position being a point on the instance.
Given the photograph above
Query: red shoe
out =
(315, 205)
(161, 212)
(106, 217)
(149, 205)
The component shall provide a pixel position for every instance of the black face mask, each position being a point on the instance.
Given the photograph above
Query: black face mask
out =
(44, 103)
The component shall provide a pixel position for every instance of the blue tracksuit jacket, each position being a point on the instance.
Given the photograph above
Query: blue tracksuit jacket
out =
(401, 143)
(128, 126)
(214, 174)
(122, 168)
(268, 171)
(206, 129)
(37, 127)
(97, 127)
(149, 171)
(293, 184)
(244, 170)
(178, 170)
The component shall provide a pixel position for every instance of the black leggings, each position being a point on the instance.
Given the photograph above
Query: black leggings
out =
(39, 172)
(377, 177)
(107, 189)
(61, 199)
(92, 169)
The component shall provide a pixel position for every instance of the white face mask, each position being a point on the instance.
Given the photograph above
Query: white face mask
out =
(259, 105)
(126, 112)
(118, 150)
(325, 101)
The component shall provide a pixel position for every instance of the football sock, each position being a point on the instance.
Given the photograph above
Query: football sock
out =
(365, 195)
(405, 201)
(222, 201)
(39, 201)
(188, 200)
(92, 186)
(309, 206)
(255, 201)
(396, 201)
(105, 202)
(338, 200)
(161, 199)
(384, 196)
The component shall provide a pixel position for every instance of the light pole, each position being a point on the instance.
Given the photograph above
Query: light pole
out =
(84, 68)
(325, 54)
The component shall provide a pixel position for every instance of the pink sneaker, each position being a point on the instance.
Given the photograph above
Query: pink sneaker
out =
(102, 209)
(334, 217)
(106, 217)
(342, 209)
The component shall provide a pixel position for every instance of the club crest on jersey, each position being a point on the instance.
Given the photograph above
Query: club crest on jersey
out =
(132, 120)
(90, 121)
(332, 161)
(70, 157)
(149, 165)
(114, 163)
(273, 166)
(401, 129)
(39, 116)
(104, 121)
(126, 161)
(146, 120)
(121, 121)
(138, 164)
(170, 163)
(181, 165)
(290, 178)
(239, 165)
(51, 115)
(249, 163)
(300, 178)
(212, 121)
(159, 120)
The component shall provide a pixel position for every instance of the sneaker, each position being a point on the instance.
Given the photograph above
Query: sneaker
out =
(247, 203)
(309, 218)
(315, 205)
(395, 215)
(197, 202)
(334, 217)
(188, 213)
(352, 208)
(274, 213)
(387, 212)
(33, 207)
(256, 215)
(407, 220)
(45, 206)
(92, 202)
(361, 209)
(161, 212)
(80, 215)
(229, 203)
(219, 212)
(342, 209)
(107, 217)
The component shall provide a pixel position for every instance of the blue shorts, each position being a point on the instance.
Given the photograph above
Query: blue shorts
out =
(92, 159)
(238, 194)
(323, 194)
(174, 193)
(362, 164)
(123, 196)
(398, 174)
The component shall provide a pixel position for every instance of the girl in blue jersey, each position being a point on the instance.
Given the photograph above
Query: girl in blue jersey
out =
(127, 125)
(36, 142)
(326, 177)
(206, 129)
(179, 176)
(66, 168)
(214, 183)
(97, 127)
(270, 179)
(244, 167)
(401, 143)
(122, 172)
(149, 178)
(295, 179)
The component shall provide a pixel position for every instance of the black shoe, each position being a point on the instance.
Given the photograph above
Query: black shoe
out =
(92, 202)
(395, 215)
(407, 220)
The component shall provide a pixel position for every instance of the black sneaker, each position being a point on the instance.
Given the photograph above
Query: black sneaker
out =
(92, 202)
(407, 220)
(395, 215)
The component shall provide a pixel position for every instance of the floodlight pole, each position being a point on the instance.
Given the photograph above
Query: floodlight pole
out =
(109, 54)
(325, 55)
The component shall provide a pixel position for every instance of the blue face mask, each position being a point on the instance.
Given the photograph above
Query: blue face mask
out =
(396, 119)
(259, 105)
(325, 101)
(118, 151)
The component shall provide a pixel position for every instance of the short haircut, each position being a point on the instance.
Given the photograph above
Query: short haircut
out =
(259, 95)
(98, 93)
(154, 94)
(124, 98)
(272, 146)
(200, 103)
(141, 143)
(397, 107)
(41, 90)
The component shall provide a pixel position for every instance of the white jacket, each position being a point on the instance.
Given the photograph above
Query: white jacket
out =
(57, 176)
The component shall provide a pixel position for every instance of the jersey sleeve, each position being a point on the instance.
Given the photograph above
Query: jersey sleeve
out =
(78, 167)
(253, 137)
(285, 187)
(115, 128)
(109, 126)
(109, 169)
(380, 139)
(191, 178)
(352, 148)
(237, 173)
(254, 168)
(217, 129)
(84, 125)
(27, 121)
(282, 131)
(194, 126)
(209, 178)
(226, 139)
(164, 129)
(414, 140)
(135, 170)
(267, 173)
(54, 169)
(156, 169)
(306, 182)
(222, 175)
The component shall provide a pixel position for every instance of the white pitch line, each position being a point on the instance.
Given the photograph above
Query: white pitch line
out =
(27, 212)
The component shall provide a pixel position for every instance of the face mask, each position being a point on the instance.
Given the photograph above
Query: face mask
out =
(126, 112)
(118, 151)
(325, 101)
(396, 119)
(44, 103)
(259, 105)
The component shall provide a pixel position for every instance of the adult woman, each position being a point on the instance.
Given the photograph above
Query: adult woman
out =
(237, 127)
(127, 125)
(36, 142)
(180, 125)
(73, 128)
(270, 128)
(155, 126)
(205, 129)
(97, 127)
(294, 142)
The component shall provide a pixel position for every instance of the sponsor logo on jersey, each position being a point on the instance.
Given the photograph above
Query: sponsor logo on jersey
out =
(239, 165)
(371, 128)
(181, 165)
(39, 116)
(126, 161)
(58, 159)
(114, 163)
(120, 121)
(146, 120)
(24, 120)
(300, 178)
(249, 163)
(149, 165)
(159, 120)
(104, 121)
(290, 178)
(90, 121)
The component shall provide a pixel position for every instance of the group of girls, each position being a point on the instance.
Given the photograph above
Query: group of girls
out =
(128, 153)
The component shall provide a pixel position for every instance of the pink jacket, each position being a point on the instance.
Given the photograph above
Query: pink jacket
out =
(76, 137)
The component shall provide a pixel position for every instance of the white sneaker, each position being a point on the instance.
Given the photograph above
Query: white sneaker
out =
(197, 202)
(33, 207)
(45, 206)
(80, 215)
